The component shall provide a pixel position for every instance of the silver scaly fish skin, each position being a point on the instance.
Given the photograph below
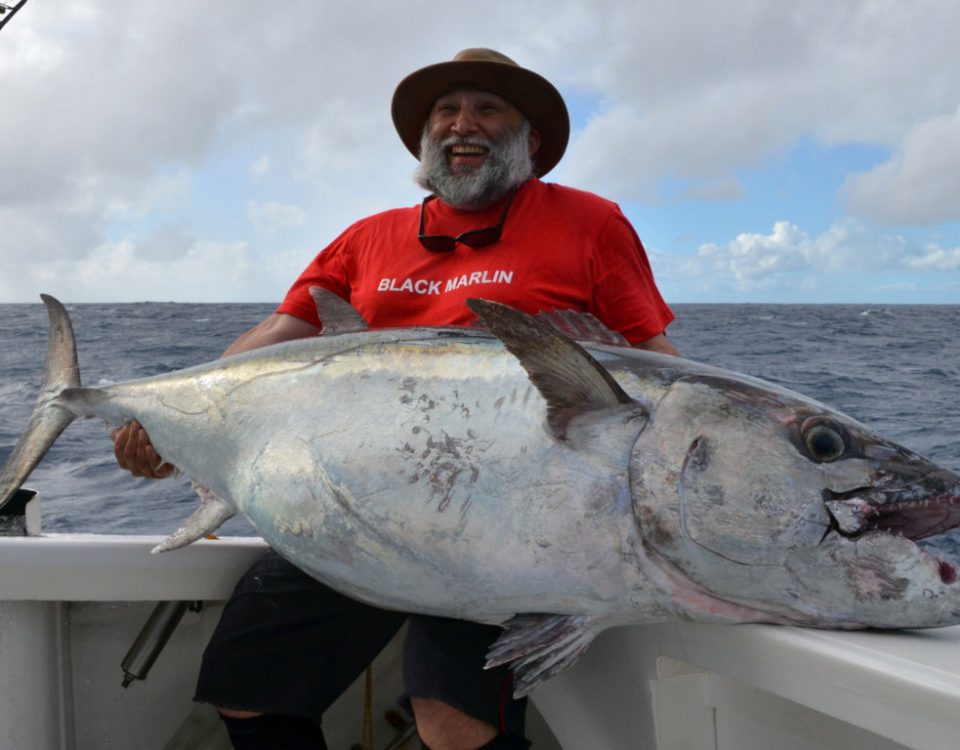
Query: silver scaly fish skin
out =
(523, 479)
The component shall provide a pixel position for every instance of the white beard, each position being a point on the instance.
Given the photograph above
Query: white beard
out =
(507, 165)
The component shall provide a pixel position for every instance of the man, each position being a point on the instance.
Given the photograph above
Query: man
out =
(484, 130)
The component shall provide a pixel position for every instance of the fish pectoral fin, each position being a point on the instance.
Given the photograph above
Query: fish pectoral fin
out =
(569, 379)
(538, 646)
(211, 514)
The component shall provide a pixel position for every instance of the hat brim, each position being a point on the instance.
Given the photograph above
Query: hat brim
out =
(532, 94)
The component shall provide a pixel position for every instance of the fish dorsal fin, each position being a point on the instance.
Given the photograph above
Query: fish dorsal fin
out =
(569, 379)
(336, 314)
(582, 326)
(211, 514)
(538, 646)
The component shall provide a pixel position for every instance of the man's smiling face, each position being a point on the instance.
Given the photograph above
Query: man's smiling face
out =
(475, 147)
(469, 121)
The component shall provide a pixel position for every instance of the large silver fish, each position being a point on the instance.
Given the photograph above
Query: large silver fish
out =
(523, 479)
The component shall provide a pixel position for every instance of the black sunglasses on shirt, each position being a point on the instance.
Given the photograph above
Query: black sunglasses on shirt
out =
(444, 243)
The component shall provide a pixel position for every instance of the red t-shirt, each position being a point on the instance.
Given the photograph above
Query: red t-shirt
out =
(561, 249)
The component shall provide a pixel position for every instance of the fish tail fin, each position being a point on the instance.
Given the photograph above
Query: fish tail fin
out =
(50, 417)
(538, 646)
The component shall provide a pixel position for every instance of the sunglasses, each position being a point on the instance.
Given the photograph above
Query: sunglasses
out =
(443, 243)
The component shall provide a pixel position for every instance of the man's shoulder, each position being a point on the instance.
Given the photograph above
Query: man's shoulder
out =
(582, 199)
(385, 218)
(402, 213)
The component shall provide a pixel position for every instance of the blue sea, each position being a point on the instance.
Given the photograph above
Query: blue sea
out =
(896, 368)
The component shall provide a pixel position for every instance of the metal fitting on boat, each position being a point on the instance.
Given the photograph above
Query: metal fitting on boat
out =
(151, 639)
(21, 515)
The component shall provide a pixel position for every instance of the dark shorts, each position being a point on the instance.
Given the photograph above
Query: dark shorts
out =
(288, 644)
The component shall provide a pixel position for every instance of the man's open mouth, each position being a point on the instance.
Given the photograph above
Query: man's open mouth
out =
(466, 149)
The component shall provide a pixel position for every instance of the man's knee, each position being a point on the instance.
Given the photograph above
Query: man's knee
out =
(443, 727)
(249, 730)
(232, 714)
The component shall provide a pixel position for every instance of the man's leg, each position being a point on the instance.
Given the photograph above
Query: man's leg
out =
(248, 731)
(286, 647)
(443, 727)
(458, 704)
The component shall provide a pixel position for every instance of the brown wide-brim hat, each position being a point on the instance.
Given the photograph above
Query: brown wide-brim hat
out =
(484, 70)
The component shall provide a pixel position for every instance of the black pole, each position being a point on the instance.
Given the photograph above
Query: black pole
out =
(5, 18)
(150, 641)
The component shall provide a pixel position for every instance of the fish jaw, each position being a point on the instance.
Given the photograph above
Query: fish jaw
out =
(929, 508)
(891, 545)
(729, 496)
(878, 580)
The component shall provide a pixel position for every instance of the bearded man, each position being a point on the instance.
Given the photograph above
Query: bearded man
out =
(485, 130)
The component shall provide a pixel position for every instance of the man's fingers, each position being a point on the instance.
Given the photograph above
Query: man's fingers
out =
(121, 441)
(152, 466)
(134, 452)
(164, 470)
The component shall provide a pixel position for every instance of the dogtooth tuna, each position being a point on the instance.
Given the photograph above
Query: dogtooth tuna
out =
(515, 476)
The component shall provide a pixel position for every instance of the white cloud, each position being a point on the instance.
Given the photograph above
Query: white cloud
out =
(936, 259)
(273, 215)
(200, 271)
(755, 256)
(702, 89)
(39, 234)
(920, 184)
(722, 189)
(114, 113)
(260, 167)
(789, 255)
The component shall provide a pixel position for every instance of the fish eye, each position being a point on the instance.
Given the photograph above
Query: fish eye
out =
(824, 443)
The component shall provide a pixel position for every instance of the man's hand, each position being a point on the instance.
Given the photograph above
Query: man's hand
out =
(134, 453)
(131, 444)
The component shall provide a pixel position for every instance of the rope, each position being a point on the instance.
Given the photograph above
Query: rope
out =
(367, 741)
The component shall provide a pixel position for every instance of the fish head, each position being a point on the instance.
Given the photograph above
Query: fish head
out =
(762, 505)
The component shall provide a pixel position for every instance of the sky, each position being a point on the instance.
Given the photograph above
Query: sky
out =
(765, 151)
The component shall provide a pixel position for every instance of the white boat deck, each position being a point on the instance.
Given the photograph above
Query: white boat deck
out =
(753, 687)
(97, 568)
(70, 605)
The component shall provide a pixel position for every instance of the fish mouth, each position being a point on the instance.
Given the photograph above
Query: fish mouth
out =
(862, 511)
(854, 513)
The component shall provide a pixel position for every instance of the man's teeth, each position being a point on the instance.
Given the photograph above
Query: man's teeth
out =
(466, 150)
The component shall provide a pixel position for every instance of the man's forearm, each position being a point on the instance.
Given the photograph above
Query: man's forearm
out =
(273, 330)
(659, 343)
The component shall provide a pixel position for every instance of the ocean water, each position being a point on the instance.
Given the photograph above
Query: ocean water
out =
(895, 368)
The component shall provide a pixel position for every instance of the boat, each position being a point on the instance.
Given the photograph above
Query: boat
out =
(100, 642)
